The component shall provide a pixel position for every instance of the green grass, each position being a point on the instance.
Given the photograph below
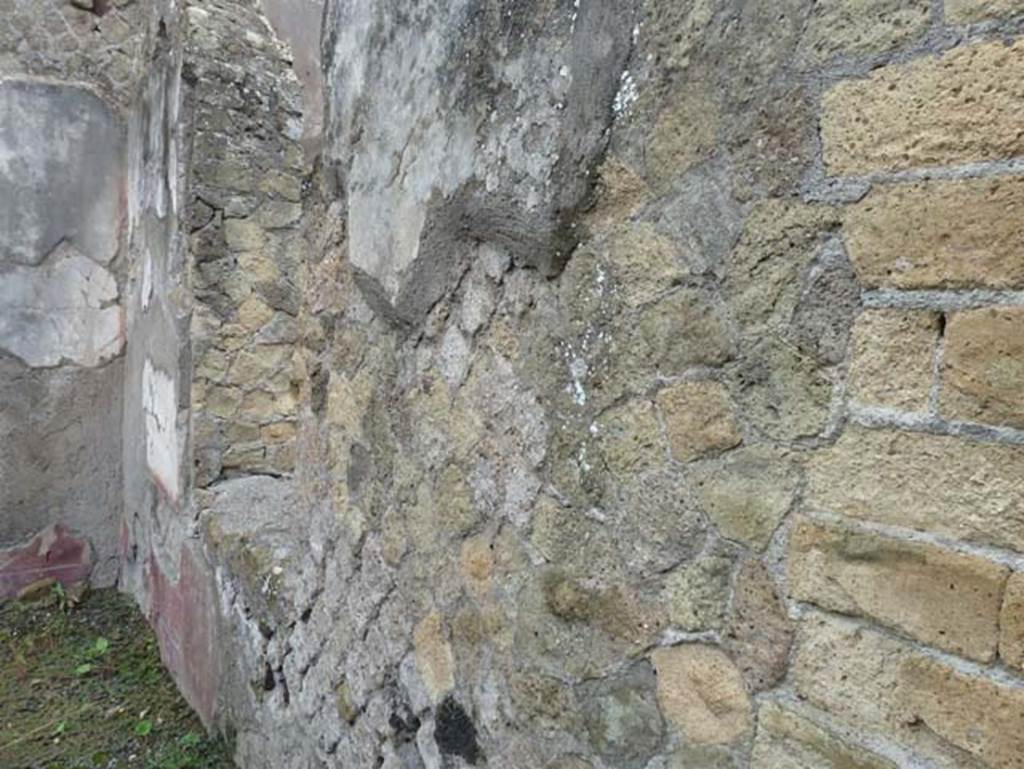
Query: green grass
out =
(84, 689)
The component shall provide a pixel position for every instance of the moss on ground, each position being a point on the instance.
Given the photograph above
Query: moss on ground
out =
(83, 688)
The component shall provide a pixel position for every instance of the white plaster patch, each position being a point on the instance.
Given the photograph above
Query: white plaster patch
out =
(61, 311)
(160, 404)
(147, 280)
(454, 357)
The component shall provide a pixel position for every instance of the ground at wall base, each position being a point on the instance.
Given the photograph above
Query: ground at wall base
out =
(83, 688)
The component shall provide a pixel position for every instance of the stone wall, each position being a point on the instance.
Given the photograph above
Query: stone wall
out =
(662, 390)
(66, 77)
(607, 385)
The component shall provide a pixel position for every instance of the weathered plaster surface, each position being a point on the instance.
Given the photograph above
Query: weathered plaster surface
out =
(62, 311)
(66, 76)
(61, 172)
(455, 123)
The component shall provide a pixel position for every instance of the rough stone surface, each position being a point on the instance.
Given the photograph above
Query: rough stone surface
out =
(434, 657)
(982, 717)
(970, 11)
(982, 366)
(698, 419)
(748, 493)
(948, 600)
(702, 694)
(1011, 623)
(860, 27)
(478, 420)
(858, 676)
(893, 359)
(622, 717)
(938, 234)
(697, 594)
(758, 634)
(787, 740)
(948, 486)
(959, 107)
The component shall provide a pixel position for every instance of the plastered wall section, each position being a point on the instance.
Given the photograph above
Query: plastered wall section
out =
(66, 76)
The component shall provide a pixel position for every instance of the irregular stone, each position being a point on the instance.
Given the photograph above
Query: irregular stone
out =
(948, 486)
(938, 234)
(978, 715)
(959, 107)
(573, 541)
(772, 143)
(54, 555)
(241, 522)
(970, 11)
(621, 716)
(244, 235)
(64, 182)
(541, 698)
(946, 599)
(434, 659)
(654, 525)
(983, 366)
(455, 733)
(748, 493)
(781, 390)
(575, 649)
(275, 214)
(278, 432)
(620, 193)
(702, 694)
(61, 311)
(893, 358)
(758, 634)
(706, 757)
(682, 330)
(616, 610)
(787, 740)
(1011, 623)
(673, 32)
(697, 594)
(765, 273)
(644, 263)
(254, 313)
(436, 182)
(476, 562)
(860, 27)
(698, 419)
(454, 512)
(829, 302)
(631, 439)
(701, 213)
(686, 131)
